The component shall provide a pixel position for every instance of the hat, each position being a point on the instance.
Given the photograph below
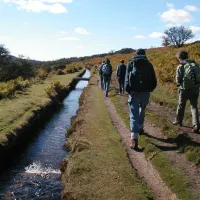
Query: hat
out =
(140, 52)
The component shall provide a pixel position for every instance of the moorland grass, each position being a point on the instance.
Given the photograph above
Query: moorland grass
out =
(15, 112)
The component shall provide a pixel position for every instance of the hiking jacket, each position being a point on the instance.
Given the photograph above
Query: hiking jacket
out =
(118, 74)
(180, 76)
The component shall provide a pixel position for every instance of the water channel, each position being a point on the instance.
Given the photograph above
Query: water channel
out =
(34, 174)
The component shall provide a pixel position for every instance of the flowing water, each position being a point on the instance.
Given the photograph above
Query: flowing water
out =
(34, 174)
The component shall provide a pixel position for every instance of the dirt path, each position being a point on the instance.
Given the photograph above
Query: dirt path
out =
(169, 148)
(138, 160)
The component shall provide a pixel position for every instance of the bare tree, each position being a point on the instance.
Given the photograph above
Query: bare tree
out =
(177, 36)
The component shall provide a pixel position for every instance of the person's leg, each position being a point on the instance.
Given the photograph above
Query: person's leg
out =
(144, 100)
(108, 86)
(194, 109)
(102, 84)
(183, 97)
(120, 85)
(134, 121)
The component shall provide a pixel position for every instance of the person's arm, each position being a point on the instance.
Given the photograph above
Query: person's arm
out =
(117, 71)
(111, 70)
(128, 69)
(154, 77)
(179, 75)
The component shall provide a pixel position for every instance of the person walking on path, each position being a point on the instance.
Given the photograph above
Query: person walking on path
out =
(140, 80)
(120, 74)
(101, 74)
(107, 74)
(188, 81)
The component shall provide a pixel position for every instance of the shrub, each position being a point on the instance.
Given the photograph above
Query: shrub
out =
(9, 88)
(54, 88)
(59, 72)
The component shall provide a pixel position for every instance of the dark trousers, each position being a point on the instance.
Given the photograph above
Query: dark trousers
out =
(121, 84)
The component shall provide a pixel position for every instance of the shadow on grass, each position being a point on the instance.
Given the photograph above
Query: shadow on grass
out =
(181, 143)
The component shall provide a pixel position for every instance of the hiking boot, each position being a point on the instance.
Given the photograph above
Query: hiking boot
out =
(141, 131)
(134, 144)
(195, 129)
(177, 123)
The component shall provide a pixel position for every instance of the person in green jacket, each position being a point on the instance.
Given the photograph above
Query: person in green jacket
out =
(187, 90)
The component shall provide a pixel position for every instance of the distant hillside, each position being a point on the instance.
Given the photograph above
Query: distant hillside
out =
(163, 59)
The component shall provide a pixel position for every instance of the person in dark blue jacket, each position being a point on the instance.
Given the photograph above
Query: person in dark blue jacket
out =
(139, 92)
(120, 74)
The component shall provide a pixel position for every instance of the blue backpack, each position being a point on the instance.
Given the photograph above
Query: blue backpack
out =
(142, 76)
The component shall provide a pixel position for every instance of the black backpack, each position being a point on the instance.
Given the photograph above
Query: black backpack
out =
(142, 76)
(121, 71)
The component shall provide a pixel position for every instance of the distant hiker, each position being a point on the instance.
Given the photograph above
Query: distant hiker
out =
(120, 73)
(140, 81)
(101, 74)
(107, 73)
(188, 81)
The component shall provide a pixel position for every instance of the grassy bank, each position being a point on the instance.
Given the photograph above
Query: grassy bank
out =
(174, 177)
(16, 111)
(98, 167)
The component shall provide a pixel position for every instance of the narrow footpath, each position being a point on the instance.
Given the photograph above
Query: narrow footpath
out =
(139, 162)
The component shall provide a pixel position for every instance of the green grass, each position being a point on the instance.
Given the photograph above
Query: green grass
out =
(173, 177)
(98, 167)
(15, 112)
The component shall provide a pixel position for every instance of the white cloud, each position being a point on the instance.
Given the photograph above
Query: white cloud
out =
(82, 31)
(140, 37)
(156, 35)
(69, 38)
(192, 40)
(195, 29)
(36, 6)
(176, 16)
(170, 5)
(191, 8)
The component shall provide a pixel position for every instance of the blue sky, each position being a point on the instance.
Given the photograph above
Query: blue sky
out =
(52, 29)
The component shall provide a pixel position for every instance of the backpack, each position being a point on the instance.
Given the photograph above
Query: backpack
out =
(121, 71)
(106, 69)
(142, 77)
(191, 76)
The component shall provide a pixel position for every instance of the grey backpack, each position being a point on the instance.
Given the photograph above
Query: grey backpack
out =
(106, 69)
